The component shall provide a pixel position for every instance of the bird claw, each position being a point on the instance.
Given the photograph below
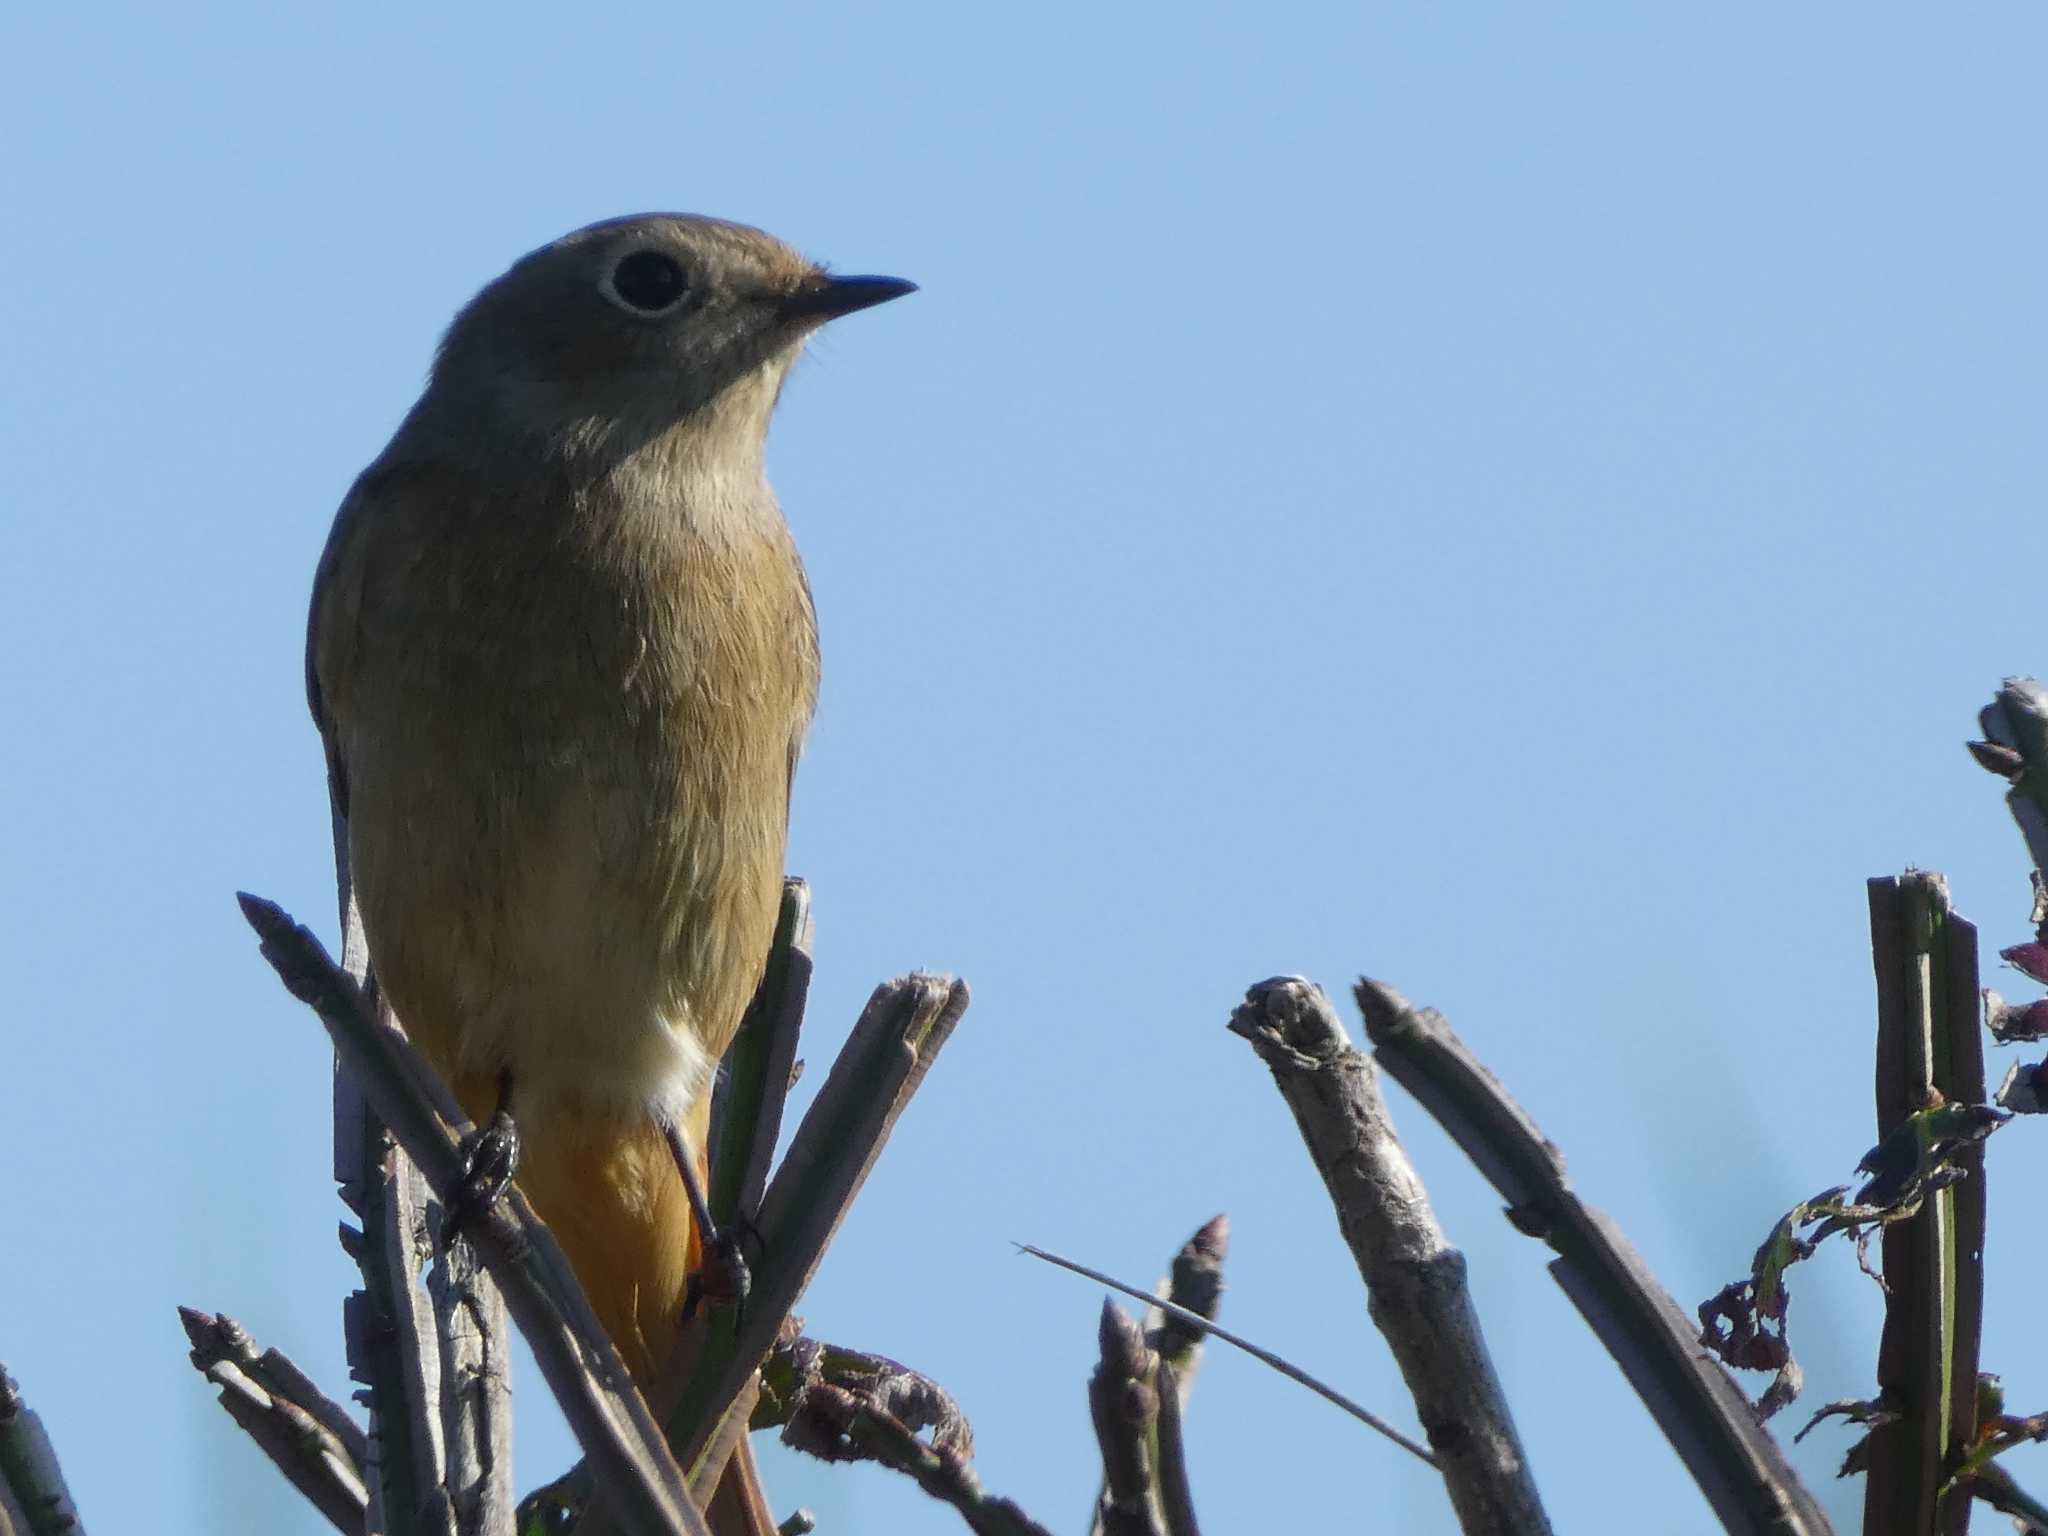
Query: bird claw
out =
(723, 1279)
(488, 1163)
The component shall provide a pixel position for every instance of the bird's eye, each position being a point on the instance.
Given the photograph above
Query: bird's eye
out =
(648, 281)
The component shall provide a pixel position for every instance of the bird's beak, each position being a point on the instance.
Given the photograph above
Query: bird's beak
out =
(832, 297)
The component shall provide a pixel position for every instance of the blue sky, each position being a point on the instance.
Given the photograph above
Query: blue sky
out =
(1524, 501)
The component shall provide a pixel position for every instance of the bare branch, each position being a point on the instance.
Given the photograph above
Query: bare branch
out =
(387, 1324)
(1415, 1279)
(29, 1471)
(1176, 1497)
(604, 1410)
(1701, 1411)
(476, 1392)
(754, 1079)
(405, 1247)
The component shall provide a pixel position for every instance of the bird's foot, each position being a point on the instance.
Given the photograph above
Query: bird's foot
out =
(489, 1161)
(723, 1279)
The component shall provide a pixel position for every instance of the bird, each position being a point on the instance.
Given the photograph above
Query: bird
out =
(562, 654)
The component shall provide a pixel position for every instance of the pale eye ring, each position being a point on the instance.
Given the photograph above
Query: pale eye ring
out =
(646, 283)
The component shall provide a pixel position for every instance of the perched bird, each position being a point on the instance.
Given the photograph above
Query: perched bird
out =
(562, 654)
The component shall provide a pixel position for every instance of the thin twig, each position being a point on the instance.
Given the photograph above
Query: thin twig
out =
(583, 1369)
(1414, 1278)
(881, 1065)
(751, 1089)
(1701, 1411)
(1176, 1496)
(1195, 1320)
(731, 1495)
(754, 1079)
(709, 1469)
(28, 1468)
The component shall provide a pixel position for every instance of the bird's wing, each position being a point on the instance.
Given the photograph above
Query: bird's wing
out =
(334, 629)
(334, 625)
(331, 625)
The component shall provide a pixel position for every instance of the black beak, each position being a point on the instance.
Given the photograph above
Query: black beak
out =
(836, 296)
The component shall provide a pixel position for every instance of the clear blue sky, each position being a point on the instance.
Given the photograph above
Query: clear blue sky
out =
(1525, 501)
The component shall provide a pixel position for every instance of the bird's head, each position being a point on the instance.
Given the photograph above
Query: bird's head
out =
(636, 328)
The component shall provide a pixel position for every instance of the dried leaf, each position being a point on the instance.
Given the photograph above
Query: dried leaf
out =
(2012, 1023)
(2030, 959)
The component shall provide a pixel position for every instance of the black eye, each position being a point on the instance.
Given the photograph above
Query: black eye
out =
(648, 281)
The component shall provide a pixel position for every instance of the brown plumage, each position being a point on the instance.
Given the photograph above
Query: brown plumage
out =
(563, 656)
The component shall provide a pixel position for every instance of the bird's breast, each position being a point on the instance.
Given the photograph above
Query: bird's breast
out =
(569, 799)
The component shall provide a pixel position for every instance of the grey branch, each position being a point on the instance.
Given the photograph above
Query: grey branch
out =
(892, 1046)
(29, 1474)
(307, 1436)
(604, 1411)
(387, 1324)
(405, 1315)
(1414, 1278)
(1736, 1463)
(476, 1392)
